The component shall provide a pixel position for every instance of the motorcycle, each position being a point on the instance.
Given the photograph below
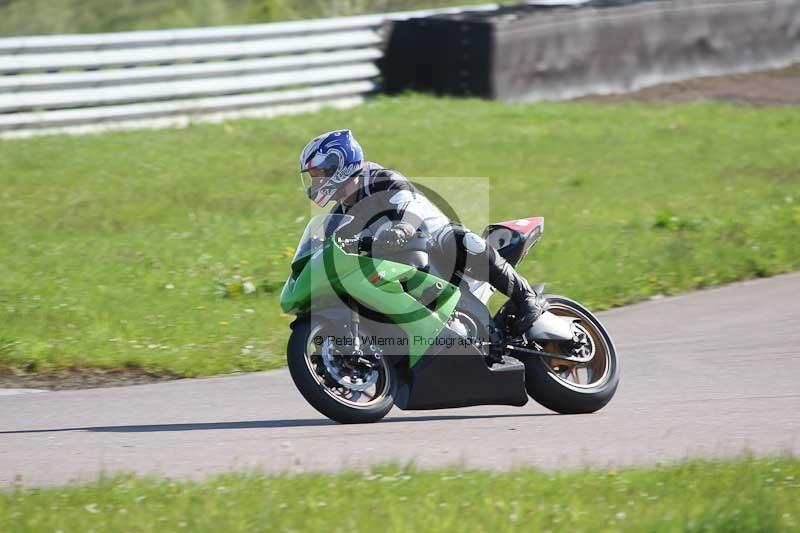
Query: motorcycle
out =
(385, 328)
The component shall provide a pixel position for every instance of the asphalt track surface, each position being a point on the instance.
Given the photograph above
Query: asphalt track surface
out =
(713, 373)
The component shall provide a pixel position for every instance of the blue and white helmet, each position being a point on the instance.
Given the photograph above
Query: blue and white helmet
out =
(329, 160)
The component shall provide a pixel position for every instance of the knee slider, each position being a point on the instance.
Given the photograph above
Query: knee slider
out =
(473, 244)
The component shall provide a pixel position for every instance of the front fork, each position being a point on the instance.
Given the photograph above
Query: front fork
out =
(355, 327)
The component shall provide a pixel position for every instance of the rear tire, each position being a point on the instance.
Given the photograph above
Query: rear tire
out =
(323, 398)
(547, 380)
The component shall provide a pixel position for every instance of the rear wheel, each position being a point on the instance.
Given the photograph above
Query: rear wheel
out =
(568, 387)
(344, 387)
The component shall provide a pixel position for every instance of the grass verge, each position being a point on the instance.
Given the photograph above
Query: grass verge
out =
(116, 248)
(31, 17)
(742, 495)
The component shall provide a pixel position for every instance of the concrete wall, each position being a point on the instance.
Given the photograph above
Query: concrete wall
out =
(599, 51)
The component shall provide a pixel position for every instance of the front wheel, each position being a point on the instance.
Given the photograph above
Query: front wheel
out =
(345, 388)
(567, 387)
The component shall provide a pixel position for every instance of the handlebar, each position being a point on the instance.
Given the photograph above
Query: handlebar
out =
(366, 244)
(355, 244)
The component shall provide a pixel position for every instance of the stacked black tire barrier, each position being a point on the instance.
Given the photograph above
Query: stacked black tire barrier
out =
(525, 53)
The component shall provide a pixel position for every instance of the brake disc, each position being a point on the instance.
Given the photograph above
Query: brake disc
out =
(356, 383)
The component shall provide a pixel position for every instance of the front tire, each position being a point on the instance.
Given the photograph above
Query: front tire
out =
(323, 392)
(571, 388)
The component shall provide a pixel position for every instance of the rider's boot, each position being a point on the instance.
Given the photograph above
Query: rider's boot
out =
(529, 303)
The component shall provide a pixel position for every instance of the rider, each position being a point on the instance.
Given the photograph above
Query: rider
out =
(389, 210)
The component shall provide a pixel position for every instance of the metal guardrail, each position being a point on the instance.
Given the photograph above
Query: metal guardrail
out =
(127, 79)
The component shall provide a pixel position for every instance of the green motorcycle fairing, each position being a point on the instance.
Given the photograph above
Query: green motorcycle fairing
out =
(328, 275)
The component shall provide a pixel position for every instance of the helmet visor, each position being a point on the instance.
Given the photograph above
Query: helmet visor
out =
(318, 176)
(313, 179)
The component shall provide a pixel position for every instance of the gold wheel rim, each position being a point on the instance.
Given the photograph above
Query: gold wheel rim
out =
(580, 375)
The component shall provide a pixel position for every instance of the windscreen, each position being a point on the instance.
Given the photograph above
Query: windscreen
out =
(318, 229)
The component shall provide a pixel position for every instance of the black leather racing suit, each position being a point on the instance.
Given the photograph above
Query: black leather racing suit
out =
(386, 203)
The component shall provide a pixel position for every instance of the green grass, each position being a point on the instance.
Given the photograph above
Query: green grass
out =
(32, 17)
(113, 247)
(743, 495)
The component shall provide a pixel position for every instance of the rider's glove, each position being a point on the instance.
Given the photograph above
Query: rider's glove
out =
(396, 236)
